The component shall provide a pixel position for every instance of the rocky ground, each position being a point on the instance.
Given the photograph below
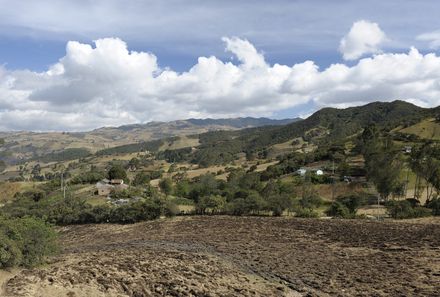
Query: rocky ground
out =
(240, 256)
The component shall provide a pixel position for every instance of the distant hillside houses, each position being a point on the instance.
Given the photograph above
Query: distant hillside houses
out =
(105, 186)
(302, 171)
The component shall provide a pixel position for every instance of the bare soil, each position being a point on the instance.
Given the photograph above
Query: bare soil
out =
(241, 256)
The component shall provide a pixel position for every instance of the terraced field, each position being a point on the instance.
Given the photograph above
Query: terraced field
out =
(241, 256)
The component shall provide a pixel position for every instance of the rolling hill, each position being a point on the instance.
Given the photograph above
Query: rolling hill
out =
(328, 124)
(25, 145)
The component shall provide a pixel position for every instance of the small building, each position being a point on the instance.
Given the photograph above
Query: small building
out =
(407, 149)
(104, 189)
(301, 171)
(105, 186)
(319, 172)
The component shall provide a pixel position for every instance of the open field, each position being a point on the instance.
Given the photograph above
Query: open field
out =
(241, 256)
(428, 129)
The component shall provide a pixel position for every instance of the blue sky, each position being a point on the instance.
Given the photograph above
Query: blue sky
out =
(34, 36)
(178, 32)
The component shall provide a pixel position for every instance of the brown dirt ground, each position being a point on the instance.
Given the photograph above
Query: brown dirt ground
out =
(241, 256)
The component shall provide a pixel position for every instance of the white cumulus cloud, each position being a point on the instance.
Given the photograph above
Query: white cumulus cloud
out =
(107, 84)
(363, 38)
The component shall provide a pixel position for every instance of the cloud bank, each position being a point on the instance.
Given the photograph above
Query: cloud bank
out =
(107, 84)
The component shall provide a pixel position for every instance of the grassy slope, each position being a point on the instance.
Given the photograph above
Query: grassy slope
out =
(427, 129)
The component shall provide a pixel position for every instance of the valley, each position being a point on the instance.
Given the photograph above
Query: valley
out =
(343, 203)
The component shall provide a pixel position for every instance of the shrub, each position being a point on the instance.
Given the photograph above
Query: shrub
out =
(25, 241)
(434, 204)
(135, 212)
(215, 203)
(339, 210)
(310, 199)
(278, 203)
(237, 207)
(169, 209)
(90, 177)
(141, 178)
(404, 210)
(352, 202)
(306, 213)
(10, 254)
(35, 195)
(117, 172)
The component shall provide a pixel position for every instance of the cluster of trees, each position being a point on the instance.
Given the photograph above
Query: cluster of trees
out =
(88, 177)
(408, 208)
(64, 155)
(152, 146)
(346, 206)
(46, 203)
(383, 163)
(243, 193)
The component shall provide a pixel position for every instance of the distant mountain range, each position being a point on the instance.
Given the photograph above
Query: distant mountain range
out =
(24, 145)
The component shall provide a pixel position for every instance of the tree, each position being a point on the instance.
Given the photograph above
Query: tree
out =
(205, 185)
(141, 179)
(182, 188)
(383, 162)
(338, 210)
(166, 185)
(425, 162)
(279, 203)
(215, 203)
(117, 172)
(133, 164)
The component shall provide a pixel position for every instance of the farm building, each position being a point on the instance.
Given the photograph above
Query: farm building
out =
(105, 187)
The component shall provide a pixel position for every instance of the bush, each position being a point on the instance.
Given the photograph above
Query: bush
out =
(214, 203)
(35, 195)
(306, 213)
(117, 172)
(353, 202)
(25, 241)
(76, 211)
(10, 254)
(135, 212)
(141, 179)
(404, 210)
(90, 177)
(434, 205)
(169, 209)
(339, 210)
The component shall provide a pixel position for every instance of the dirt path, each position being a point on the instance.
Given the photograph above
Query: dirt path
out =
(241, 256)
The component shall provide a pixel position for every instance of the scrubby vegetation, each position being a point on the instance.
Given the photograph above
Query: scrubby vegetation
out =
(25, 241)
(65, 155)
(73, 210)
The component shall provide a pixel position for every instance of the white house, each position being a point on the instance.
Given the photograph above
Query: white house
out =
(301, 171)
